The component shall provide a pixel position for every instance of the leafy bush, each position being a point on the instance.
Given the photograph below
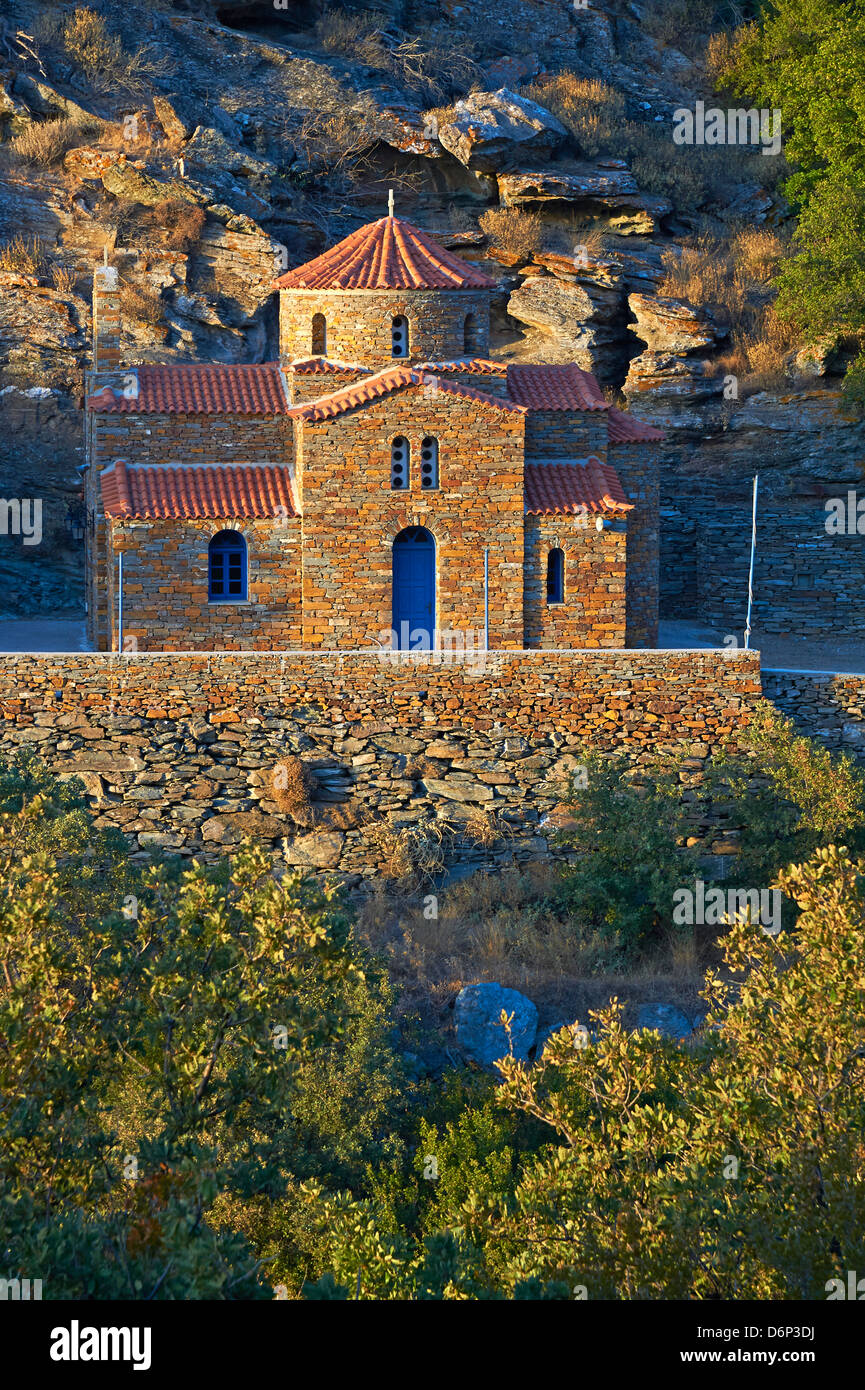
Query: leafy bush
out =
(802, 798)
(727, 1170)
(170, 1038)
(629, 836)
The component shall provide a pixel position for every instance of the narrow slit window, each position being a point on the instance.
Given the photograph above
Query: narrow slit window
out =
(429, 463)
(556, 576)
(399, 336)
(399, 462)
(319, 335)
(471, 335)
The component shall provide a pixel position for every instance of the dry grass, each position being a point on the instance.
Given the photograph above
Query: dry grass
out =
(181, 224)
(141, 304)
(44, 144)
(720, 58)
(411, 856)
(508, 927)
(681, 24)
(101, 55)
(732, 280)
(24, 256)
(63, 278)
(591, 110)
(426, 67)
(173, 224)
(595, 115)
(513, 231)
(291, 786)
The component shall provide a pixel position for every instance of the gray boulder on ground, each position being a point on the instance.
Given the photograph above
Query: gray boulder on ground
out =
(666, 1019)
(480, 1032)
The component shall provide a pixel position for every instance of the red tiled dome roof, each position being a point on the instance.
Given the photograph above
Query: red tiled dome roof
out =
(386, 255)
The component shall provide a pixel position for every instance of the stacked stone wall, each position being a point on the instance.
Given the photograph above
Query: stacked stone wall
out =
(477, 755)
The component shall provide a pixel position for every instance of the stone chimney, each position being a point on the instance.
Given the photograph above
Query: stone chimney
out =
(106, 319)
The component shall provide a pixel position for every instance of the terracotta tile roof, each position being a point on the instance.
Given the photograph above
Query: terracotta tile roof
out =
(386, 255)
(474, 366)
(196, 491)
(571, 486)
(624, 428)
(194, 389)
(372, 388)
(550, 387)
(327, 366)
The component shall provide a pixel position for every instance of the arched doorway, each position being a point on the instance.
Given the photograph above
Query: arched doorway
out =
(414, 585)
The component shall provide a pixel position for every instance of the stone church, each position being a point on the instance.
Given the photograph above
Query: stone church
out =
(386, 483)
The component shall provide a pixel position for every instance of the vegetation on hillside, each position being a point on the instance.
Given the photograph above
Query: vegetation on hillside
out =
(807, 58)
(203, 1093)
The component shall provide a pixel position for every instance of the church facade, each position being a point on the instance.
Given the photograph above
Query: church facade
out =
(386, 483)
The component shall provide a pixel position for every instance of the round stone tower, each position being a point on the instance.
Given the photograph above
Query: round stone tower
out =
(386, 294)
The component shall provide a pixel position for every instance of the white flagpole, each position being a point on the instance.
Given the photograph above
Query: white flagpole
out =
(751, 568)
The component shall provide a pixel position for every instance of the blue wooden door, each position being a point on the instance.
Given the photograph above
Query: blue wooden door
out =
(414, 589)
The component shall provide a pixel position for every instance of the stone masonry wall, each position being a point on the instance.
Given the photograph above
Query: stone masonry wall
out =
(637, 466)
(208, 439)
(593, 611)
(806, 582)
(178, 750)
(566, 434)
(824, 706)
(165, 587)
(359, 323)
(351, 516)
(166, 439)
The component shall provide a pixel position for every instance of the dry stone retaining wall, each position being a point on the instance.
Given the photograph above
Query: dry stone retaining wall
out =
(475, 755)
(824, 706)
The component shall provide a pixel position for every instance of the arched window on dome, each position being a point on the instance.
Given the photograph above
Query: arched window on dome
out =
(226, 567)
(429, 463)
(319, 335)
(471, 336)
(556, 576)
(399, 336)
(399, 464)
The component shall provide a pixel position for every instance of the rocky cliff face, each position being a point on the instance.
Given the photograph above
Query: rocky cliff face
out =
(203, 148)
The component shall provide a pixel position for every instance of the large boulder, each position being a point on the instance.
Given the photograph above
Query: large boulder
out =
(480, 1032)
(666, 1019)
(670, 325)
(607, 187)
(49, 104)
(580, 323)
(489, 131)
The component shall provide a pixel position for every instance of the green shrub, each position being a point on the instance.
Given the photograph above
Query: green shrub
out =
(629, 838)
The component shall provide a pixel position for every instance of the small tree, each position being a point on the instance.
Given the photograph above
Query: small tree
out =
(630, 830)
